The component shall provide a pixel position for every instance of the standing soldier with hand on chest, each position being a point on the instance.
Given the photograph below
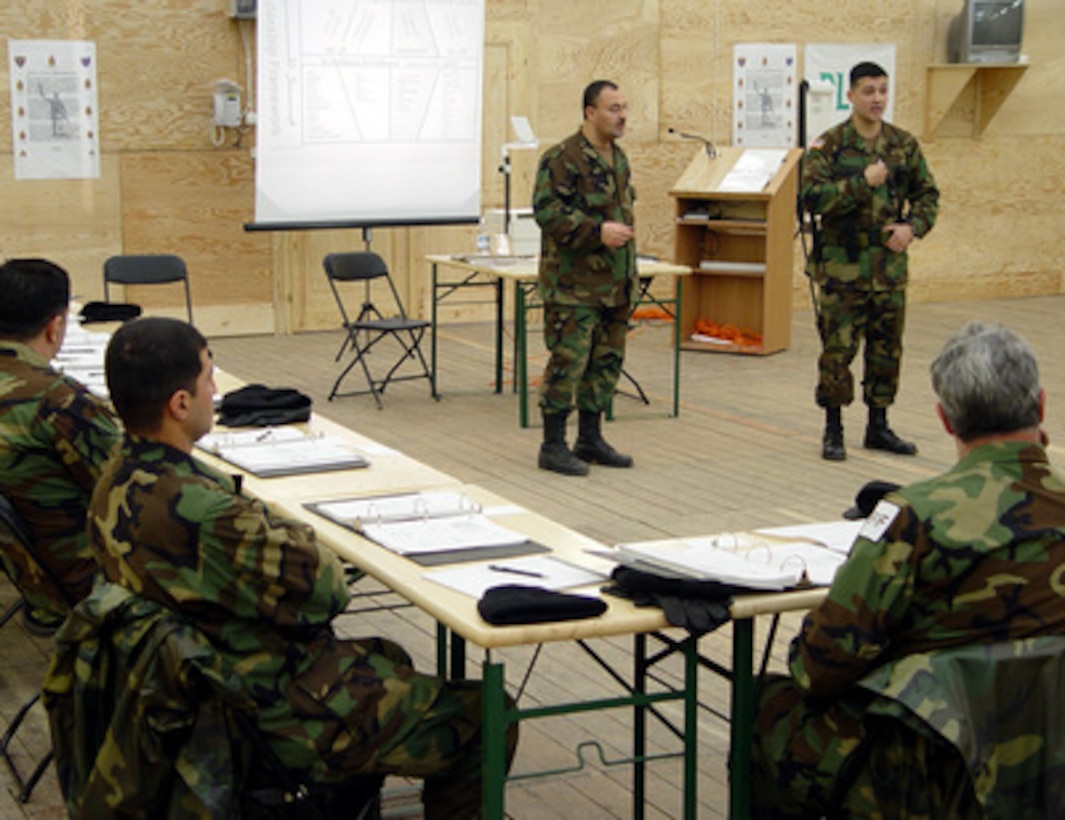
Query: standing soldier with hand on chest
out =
(583, 203)
(867, 183)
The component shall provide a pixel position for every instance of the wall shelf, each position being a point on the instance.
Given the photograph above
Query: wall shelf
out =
(992, 83)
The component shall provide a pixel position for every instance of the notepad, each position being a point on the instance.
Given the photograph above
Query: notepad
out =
(280, 451)
(544, 572)
(420, 523)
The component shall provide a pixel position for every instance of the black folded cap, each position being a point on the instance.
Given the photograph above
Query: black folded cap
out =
(109, 312)
(256, 405)
(517, 604)
(868, 497)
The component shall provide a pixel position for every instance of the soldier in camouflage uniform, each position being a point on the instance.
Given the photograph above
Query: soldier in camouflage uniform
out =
(172, 530)
(867, 184)
(583, 203)
(969, 558)
(54, 440)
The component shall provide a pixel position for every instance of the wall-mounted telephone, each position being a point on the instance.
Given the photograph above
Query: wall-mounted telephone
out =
(227, 109)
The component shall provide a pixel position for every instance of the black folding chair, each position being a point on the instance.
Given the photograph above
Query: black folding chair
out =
(149, 269)
(370, 326)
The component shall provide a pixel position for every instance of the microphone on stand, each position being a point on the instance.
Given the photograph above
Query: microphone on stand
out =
(711, 151)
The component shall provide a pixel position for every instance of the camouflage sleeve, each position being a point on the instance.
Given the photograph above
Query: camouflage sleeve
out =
(84, 431)
(846, 636)
(558, 203)
(826, 193)
(274, 566)
(923, 195)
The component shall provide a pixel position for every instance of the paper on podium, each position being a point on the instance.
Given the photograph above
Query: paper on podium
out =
(753, 170)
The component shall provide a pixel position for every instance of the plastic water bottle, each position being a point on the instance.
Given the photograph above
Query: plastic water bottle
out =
(484, 241)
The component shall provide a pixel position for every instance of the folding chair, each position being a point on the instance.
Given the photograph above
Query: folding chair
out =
(15, 536)
(150, 269)
(370, 326)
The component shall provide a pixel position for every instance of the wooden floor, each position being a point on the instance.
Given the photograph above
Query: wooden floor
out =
(743, 453)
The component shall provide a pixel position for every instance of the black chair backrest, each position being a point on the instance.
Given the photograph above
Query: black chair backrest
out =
(148, 269)
(355, 266)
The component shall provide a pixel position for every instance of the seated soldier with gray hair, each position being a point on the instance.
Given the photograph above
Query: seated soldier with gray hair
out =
(967, 558)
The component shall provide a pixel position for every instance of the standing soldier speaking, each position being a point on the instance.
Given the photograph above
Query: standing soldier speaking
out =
(868, 184)
(584, 206)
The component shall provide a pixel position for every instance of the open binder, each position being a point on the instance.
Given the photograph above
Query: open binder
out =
(753, 560)
(278, 451)
(429, 527)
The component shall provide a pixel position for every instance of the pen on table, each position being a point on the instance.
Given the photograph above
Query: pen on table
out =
(528, 573)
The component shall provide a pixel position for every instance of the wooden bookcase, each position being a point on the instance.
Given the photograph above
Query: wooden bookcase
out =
(740, 248)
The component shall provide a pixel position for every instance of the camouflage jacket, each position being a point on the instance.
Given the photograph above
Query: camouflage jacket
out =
(170, 529)
(974, 556)
(850, 246)
(159, 747)
(576, 192)
(54, 440)
(996, 704)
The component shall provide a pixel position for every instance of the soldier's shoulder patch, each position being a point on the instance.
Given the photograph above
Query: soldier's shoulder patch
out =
(817, 144)
(879, 520)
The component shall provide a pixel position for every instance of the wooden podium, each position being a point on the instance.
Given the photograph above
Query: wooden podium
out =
(739, 245)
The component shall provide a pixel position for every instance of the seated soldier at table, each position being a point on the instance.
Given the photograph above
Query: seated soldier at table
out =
(55, 439)
(171, 529)
(969, 557)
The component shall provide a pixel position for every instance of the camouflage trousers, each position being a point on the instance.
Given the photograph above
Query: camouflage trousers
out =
(363, 710)
(845, 315)
(833, 758)
(587, 345)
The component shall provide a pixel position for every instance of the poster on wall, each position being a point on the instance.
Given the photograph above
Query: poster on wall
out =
(763, 95)
(826, 69)
(54, 123)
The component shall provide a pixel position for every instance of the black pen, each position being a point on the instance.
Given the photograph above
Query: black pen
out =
(515, 571)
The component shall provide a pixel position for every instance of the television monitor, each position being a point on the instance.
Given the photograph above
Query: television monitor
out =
(987, 31)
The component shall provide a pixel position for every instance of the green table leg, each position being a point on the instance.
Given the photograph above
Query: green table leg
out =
(691, 723)
(639, 727)
(742, 719)
(493, 733)
(499, 334)
(676, 347)
(432, 347)
(521, 365)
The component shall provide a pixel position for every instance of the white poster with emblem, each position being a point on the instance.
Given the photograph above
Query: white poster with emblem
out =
(54, 114)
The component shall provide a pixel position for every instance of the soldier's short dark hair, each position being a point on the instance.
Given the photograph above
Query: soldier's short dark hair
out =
(987, 381)
(593, 90)
(866, 69)
(33, 292)
(147, 361)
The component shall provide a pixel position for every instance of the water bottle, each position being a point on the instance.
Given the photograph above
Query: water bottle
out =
(484, 241)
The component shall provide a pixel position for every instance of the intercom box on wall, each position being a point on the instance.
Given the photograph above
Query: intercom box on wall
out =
(242, 9)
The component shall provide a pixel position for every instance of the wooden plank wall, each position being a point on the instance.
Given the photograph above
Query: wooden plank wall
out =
(164, 187)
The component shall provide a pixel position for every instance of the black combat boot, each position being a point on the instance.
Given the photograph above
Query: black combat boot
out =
(832, 448)
(554, 454)
(592, 447)
(878, 436)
